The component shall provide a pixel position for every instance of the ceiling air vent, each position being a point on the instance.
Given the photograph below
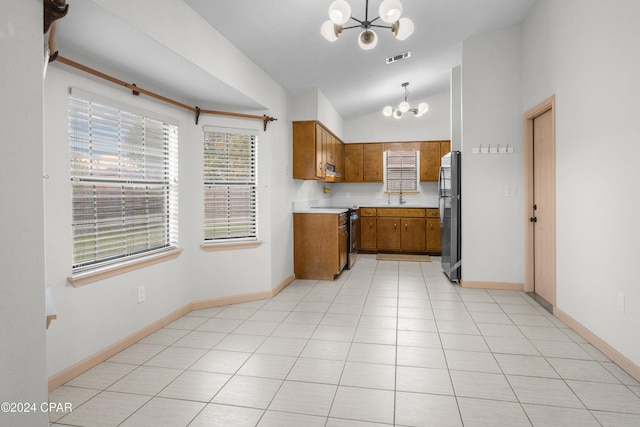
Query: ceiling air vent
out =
(398, 57)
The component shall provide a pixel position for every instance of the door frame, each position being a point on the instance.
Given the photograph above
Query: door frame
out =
(529, 254)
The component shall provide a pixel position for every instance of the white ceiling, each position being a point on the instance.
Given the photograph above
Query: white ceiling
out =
(283, 38)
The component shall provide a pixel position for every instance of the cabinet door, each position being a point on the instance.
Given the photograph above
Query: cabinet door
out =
(430, 161)
(372, 162)
(413, 234)
(342, 248)
(304, 150)
(368, 229)
(321, 141)
(445, 147)
(353, 162)
(388, 233)
(433, 236)
(339, 153)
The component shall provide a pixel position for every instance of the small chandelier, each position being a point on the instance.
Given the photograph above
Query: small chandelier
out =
(404, 107)
(389, 12)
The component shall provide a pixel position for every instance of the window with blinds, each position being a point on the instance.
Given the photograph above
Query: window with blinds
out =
(230, 185)
(124, 170)
(401, 171)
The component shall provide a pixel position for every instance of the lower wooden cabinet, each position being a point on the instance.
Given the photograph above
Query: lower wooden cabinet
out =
(319, 245)
(388, 234)
(368, 232)
(410, 230)
(412, 235)
(433, 236)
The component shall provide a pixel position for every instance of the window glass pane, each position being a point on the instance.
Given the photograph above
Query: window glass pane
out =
(124, 183)
(401, 170)
(230, 186)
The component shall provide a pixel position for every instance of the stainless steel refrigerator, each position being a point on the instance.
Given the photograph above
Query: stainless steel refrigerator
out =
(450, 219)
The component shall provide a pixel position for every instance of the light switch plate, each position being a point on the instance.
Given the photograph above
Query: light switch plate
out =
(475, 150)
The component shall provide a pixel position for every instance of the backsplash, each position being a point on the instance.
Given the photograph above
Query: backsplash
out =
(361, 194)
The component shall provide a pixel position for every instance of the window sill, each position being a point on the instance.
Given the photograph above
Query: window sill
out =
(213, 247)
(102, 273)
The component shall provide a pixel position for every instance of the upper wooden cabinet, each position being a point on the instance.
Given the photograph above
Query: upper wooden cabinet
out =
(314, 146)
(431, 153)
(363, 162)
(353, 161)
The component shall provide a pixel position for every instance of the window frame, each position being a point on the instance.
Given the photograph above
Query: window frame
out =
(132, 152)
(234, 209)
(413, 167)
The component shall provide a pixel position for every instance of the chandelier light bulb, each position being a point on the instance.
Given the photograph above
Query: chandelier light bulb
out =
(404, 106)
(423, 107)
(390, 11)
(339, 12)
(367, 40)
(387, 111)
(397, 114)
(402, 28)
(330, 31)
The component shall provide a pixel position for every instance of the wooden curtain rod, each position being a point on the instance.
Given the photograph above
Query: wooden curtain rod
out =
(137, 90)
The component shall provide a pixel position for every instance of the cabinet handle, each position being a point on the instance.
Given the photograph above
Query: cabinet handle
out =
(431, 226)
(394, 226)
(405, 226)
(371, 225)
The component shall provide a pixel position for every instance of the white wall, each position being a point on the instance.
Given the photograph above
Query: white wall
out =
(492, 225)
(455, 89)
(585, 52)
(23, 376)
(96, 315)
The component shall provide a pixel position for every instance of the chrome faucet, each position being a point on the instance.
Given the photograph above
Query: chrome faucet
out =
(401, 201)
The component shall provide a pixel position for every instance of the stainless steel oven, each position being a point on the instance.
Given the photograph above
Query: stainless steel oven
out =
(353, 233)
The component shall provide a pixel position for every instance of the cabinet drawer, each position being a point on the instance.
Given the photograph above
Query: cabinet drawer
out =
(433, 213)
(402, 212)
(367, 212)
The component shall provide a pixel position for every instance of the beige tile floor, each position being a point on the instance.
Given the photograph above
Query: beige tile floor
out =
(387, 343)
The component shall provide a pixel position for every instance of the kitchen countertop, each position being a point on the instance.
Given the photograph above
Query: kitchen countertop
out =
(395, 205)
(323, 210)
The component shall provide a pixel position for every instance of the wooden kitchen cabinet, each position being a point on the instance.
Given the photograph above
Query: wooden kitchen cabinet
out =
(372, 164)
(363, 162)
(314, 146)
(412, 235)
(433, 237)
(368, 228)
(319, 244)
(401, 229)
(431, 153)
(353, 163)
(388, 234)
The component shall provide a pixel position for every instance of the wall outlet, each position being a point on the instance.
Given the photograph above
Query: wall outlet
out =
(621, 302)
(141, 294)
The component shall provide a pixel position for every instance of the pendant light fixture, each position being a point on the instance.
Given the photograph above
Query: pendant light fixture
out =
(404, 107)
(390, 12)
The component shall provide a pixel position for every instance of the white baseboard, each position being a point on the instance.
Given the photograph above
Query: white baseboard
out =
(67, 374)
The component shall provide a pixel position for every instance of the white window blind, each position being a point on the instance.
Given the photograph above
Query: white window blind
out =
(401, 170)
(124, 170)
(230, 185)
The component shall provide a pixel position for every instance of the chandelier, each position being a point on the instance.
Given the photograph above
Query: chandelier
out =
(389, 12)
(404, 107)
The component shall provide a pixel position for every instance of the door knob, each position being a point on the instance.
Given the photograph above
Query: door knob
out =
(533, 219)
